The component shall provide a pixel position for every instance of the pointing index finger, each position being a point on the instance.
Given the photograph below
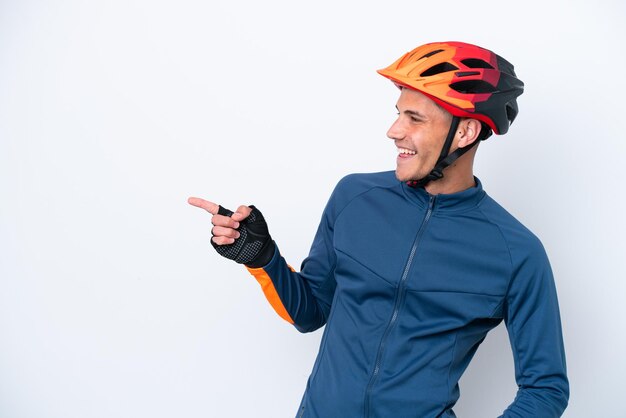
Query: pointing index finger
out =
(210, 207)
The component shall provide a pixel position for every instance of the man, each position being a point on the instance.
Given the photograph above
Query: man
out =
(410, 271)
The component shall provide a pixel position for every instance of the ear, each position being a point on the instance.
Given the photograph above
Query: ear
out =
(467, 132)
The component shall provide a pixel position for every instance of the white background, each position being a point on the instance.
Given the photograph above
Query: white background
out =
(112, 113)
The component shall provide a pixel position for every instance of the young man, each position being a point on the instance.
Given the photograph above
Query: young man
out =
(409, 271)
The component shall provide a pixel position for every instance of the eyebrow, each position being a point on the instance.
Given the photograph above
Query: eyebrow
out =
(413, 113)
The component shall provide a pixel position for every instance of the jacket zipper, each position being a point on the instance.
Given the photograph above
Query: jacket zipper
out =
(400, 292)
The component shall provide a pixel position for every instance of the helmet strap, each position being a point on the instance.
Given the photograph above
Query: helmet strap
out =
(444, 159)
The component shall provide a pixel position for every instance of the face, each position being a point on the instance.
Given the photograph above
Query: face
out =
(419, 134)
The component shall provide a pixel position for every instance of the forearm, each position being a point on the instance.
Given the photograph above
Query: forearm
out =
(544, 402)
(289, 294)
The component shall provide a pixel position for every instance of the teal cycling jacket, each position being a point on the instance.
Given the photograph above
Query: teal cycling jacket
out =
(408, 285)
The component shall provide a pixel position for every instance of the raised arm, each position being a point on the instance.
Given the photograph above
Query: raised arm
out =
(303, 299)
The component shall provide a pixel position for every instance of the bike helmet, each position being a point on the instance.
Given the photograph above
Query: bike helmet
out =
(466, 80)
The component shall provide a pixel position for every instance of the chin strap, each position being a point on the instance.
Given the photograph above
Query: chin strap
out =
(446, 159)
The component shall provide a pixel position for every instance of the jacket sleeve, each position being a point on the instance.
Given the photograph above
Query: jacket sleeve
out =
(534, 326)
(303, 298)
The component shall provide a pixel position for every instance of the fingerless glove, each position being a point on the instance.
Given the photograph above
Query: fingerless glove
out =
(254, 247)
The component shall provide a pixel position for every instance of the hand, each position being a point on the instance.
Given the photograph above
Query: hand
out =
(241, 236)
(225, 223)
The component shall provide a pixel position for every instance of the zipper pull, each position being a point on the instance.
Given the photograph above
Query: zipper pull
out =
(431, 202)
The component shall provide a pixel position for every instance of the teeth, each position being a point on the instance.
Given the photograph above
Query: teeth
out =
(406, 151)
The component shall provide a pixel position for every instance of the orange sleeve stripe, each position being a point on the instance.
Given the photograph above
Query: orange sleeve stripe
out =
(270, 292)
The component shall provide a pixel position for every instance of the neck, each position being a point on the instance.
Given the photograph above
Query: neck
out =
(457, 177)
(450, 184)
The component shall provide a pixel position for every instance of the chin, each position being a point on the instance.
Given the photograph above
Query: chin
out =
(399, 176)
(403, 175)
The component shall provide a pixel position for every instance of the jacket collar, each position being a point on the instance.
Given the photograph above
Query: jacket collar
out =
(463, 200)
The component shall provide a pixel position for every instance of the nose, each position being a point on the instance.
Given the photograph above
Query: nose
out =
(395, 131)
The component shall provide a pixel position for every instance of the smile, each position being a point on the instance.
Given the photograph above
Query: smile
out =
(404, 151)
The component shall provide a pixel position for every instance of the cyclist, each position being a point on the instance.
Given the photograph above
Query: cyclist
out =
(410, 269)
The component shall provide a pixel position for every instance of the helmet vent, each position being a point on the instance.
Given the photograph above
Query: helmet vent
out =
(438, 69)
(472, 87)
(466, 73)
(511, 112)
(476, 63)
(431, 53)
